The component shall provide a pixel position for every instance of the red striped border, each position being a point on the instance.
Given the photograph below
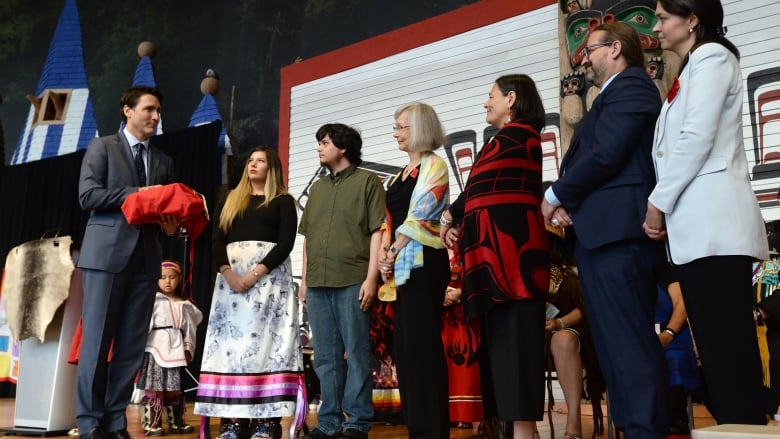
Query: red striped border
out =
(437, 28)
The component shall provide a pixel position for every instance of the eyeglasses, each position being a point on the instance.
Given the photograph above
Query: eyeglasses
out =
(400, 127)
(592, 47)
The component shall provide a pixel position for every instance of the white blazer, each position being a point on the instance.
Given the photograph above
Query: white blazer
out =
(703, 180)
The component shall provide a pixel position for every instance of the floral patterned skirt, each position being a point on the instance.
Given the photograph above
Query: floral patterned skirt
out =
(159, 382)
(252, 361)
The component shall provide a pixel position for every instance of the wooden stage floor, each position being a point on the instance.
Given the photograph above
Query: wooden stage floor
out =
(378, 431)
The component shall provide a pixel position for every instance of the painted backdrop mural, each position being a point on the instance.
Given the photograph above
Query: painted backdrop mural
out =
(577, 19)
(748, 25)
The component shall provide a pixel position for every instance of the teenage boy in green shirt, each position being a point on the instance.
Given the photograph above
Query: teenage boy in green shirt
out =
(341, 224)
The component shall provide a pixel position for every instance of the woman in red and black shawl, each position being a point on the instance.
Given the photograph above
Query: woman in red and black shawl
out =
(505, 252)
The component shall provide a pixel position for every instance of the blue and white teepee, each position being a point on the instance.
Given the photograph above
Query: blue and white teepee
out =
(61, 119)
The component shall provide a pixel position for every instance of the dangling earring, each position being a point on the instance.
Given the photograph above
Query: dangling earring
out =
(690, 30)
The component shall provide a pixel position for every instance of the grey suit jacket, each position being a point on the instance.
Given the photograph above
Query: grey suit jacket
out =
(108, 176)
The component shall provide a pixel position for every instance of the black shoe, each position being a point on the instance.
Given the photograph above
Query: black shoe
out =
(95, 433)
(181, 429)
(119, 434)
(276, 432)
(154, 431)
(265, 428)
(353, 433)
(319, 434)
(232, 429)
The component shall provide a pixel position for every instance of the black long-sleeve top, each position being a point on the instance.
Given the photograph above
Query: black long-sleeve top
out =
(276, 223)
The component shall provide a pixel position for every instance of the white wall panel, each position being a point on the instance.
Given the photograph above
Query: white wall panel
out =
(454, 75)
(752, 27)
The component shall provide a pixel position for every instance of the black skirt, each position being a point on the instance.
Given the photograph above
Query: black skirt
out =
(511, 361)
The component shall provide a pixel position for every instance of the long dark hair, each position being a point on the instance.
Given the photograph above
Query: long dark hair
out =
(528, 107)
(710, 28)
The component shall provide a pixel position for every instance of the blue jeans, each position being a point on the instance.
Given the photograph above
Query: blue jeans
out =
(340, 327)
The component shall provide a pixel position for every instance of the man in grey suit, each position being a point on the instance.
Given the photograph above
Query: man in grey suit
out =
(120, 265)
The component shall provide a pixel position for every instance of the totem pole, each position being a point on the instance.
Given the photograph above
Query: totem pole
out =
(576, 20)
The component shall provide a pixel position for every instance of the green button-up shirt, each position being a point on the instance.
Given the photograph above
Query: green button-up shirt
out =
(341, 214)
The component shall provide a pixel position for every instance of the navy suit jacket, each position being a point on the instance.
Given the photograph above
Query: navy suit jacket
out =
(607, 172)
(108, 176)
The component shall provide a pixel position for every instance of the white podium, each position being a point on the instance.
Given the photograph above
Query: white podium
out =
(737, 431)
(46, 386)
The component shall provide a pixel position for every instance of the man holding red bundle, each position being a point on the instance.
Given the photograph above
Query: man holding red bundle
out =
(120, 264)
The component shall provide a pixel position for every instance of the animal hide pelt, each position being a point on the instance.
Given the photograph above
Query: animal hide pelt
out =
(37, 281)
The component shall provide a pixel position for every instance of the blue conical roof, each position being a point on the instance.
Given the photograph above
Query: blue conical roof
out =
(207, 112)
(144, 73)
(64, 66)
(64, 82)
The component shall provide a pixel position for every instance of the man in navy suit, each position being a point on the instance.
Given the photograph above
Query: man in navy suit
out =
(606, 176)
(120, 265)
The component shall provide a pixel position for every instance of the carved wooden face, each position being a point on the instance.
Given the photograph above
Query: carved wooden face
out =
(639, 14)
(572, 84)
(573, 6)
(578, 27)
(655, 67)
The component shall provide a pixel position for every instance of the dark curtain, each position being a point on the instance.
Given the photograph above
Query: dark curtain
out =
(41, 199)
(196, 159)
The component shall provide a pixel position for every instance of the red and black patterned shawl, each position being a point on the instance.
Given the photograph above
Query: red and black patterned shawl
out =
(503, 241)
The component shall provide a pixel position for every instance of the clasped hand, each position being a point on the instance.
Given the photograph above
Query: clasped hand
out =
(386, 263)
(556, 216)
(449, 236)
(654, 223)
(241, 284)
(452, 296)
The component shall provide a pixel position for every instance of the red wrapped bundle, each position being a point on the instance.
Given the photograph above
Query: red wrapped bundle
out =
(176, 200)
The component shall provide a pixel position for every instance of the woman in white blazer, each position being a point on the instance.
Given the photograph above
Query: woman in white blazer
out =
(703, 204)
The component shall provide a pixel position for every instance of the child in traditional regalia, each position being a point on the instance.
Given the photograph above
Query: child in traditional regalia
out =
(170, 346)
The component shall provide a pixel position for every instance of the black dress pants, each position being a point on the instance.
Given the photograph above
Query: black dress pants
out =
(718, 296)
(419, 350)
